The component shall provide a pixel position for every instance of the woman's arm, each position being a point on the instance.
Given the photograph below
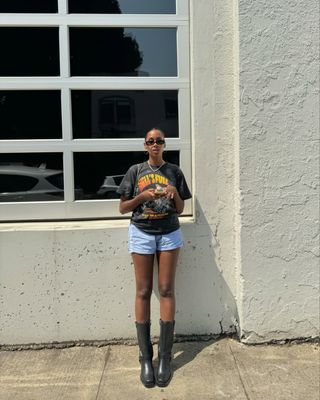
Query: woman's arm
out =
(127, 205)
(179, 203)
(173, 193)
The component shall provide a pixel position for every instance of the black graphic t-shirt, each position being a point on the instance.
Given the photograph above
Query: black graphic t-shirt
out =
(158, 216)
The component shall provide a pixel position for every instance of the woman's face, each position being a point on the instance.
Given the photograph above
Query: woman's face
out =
(154, 149)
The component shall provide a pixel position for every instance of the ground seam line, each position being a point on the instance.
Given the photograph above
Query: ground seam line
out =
(104, 367)
(238, 369)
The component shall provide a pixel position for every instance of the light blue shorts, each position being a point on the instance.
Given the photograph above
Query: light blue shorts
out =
(145, 243)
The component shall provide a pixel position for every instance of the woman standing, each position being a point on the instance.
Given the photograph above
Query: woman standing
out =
(155, 192)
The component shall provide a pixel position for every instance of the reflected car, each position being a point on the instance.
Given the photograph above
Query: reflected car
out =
(22, 183)
(108, 189)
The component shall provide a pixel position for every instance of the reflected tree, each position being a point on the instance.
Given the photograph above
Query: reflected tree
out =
(103, 51)
(99, 52)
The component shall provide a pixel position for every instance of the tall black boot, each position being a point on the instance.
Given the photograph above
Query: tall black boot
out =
(164, 373)
(145, 354)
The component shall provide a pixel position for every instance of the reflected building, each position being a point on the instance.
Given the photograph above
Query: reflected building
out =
(129, 114)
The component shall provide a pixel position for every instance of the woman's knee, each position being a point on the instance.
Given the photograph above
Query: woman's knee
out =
(144, 293)
(166, 290)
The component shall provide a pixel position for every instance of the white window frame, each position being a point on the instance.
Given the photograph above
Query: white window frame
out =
(89, 209)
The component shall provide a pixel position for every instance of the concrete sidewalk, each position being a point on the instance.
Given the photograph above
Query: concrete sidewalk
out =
(216, 369)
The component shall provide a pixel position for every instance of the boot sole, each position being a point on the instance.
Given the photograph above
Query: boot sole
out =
(164, 384)
(149, 385)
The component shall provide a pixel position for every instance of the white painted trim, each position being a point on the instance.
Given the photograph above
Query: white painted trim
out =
(84, 209)
(59, 210)
(64, 51)
(183, 52)
(58, 145)
(66, 114)
(182, 7)
(75, 225)
(184, 114)
(68, 170)
(100, 20)
(68, 174)
(63, 6)
(185, 165)
(98, 83)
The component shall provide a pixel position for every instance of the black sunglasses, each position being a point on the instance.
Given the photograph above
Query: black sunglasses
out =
(152, 141)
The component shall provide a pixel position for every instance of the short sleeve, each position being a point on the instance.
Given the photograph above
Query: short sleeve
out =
(182, 186)
(128, 182)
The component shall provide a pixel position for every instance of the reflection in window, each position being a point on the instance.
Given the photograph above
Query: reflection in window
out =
(11, 182)
(123, 113)
(115, 111)
(28, 6)
(31, 177)
(30, 114)
(98, 175)
(123, 6)
(123, 51)
(29, 51)
(171, 108)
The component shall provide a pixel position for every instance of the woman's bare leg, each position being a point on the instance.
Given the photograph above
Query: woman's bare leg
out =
(143, 265)
(167, 264)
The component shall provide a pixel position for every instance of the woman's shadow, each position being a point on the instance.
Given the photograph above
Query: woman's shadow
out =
(186, 350)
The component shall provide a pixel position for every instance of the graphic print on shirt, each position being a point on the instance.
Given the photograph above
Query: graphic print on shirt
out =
(161, 206)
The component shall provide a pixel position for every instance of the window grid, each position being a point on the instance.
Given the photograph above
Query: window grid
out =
(68, 209)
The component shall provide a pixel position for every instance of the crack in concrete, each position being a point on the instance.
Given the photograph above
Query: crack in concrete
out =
(107, 356)
(108, 342)
(240, 377)
(252, 336)
(288, 258)
(292, 183)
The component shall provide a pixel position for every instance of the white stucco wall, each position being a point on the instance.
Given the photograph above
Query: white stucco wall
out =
(75, 281)
(279, 168)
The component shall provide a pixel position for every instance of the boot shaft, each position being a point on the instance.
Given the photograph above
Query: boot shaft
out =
(144, 341)
(164, 372)
(166, 338)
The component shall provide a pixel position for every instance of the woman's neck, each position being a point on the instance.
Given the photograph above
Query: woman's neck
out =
(155, 161)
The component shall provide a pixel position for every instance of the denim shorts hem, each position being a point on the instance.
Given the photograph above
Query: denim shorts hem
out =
(141, 242)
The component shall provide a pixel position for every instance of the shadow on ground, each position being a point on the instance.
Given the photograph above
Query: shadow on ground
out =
(185, 352)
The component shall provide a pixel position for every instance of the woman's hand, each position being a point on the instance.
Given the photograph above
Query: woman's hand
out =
(171, 192)
(127, 205)
(147, 195)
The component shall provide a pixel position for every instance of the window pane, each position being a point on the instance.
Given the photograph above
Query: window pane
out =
(31, 177)
(123, 113)
(98, 175)
(123, 51)
(28, 6)
(29, 52)
(123, 6)
(27, 114)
